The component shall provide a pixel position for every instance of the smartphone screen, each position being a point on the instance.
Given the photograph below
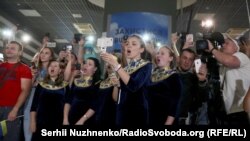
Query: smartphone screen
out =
(189, 38)
(197, 63)
(69, 47)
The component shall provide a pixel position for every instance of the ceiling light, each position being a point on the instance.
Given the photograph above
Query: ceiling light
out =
(26, 38)
(84, 28)
(7, 33)
(208, 23)
(100, 3)
(77, 15)
(61, 40)
(29, 13)
(90, 39)
(203, 16)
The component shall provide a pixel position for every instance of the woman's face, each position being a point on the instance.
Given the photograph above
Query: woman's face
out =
(133, 48)
(45, 55)
(163, 57)
(89, 68)
(54, 69)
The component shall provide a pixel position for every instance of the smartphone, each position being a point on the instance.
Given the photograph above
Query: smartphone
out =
(197, 63)
(69, 47)
(51, 44)
(1, 56)
(189, 38)
(104, 42)
(78, 66)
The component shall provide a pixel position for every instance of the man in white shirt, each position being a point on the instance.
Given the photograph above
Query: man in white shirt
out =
(235, 79)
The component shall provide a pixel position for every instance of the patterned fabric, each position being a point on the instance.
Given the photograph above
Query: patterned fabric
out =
(83, 82)
(53, 87)
(106, 83)
(135, 65)
(161, 74)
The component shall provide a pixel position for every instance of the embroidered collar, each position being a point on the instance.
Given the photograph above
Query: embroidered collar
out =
(161, 73)
(83, 82)
(134, 65)
(106, 83)
(53, 87)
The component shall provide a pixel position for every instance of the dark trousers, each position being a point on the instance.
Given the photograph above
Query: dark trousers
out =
(14, 128)
(239, 118)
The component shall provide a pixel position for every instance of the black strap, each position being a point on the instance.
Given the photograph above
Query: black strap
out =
(224, 77)
(3, 80)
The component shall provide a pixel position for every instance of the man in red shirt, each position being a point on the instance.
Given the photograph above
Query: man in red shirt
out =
(15, 85)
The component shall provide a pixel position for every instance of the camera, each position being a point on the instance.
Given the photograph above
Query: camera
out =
(216, 38)
(78, 37)
(213, 77)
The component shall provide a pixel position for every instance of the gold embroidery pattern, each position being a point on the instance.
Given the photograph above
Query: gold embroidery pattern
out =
(106, 84)
(53, 87)
(81, 82)
(161, 74)
(138, 64)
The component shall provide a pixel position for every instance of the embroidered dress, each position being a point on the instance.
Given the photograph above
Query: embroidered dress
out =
(132, 108)
(83, 96)
(105, 114)
(164, 95)
(48, 103)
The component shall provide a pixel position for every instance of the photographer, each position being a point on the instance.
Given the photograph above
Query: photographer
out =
(234, 79)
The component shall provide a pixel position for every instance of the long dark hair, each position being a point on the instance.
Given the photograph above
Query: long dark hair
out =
(59, 79)
(97, 74)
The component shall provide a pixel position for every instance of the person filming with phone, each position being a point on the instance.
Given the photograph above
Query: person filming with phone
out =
(234, 79)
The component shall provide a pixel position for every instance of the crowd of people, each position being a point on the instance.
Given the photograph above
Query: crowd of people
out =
(142, 86)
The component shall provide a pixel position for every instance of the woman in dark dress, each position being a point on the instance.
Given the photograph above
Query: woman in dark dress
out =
(105, 109)
(83, 95)
(48, 101)
(132, 104)
(165, 89)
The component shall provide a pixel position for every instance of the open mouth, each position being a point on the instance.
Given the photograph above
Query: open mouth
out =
(158, 61)
(128, 51)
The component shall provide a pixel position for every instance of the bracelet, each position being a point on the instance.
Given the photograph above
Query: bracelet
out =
(212, 49)
(117, 67)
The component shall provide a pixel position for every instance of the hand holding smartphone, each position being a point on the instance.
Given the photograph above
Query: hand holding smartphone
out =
(197, 63)
(69, 48)
(189, 38)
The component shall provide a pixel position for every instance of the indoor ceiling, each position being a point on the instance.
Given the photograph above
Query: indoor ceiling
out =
(230, 16)
(63, 18)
